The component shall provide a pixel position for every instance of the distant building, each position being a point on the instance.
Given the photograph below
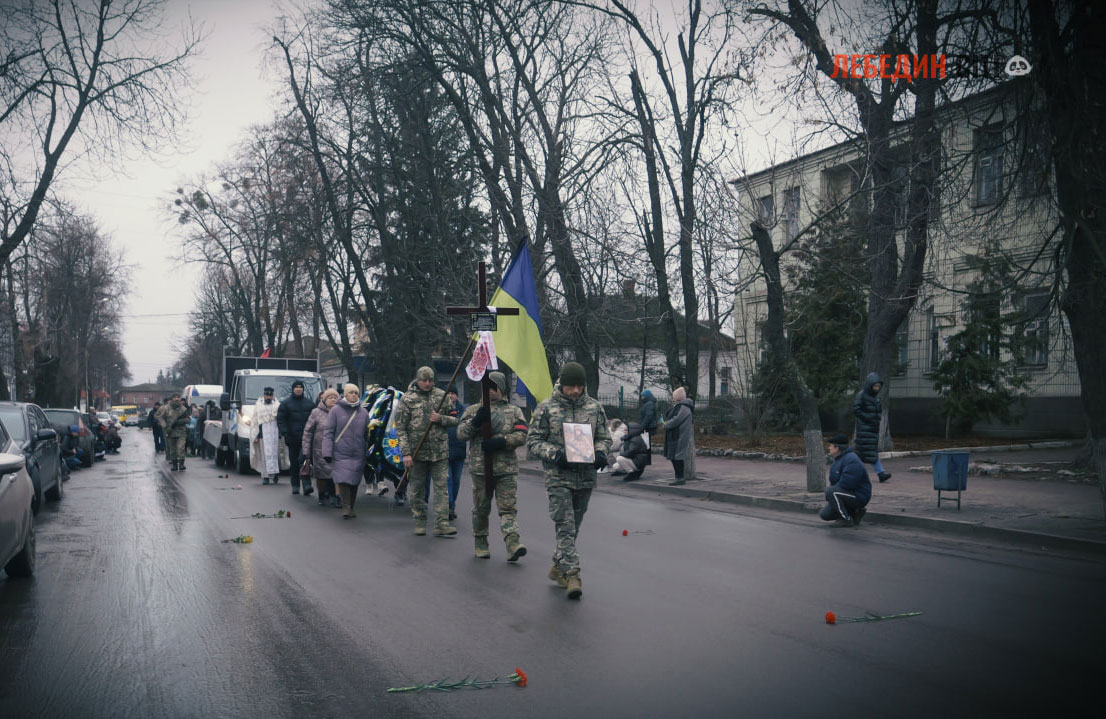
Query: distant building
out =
(992, 191)
(143, 395)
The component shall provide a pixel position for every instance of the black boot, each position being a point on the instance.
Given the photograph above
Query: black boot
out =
(180, 466)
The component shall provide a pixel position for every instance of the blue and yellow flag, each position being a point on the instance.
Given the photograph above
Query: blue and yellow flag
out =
(518, 340)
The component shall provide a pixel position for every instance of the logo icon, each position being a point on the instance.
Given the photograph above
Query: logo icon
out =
(1018, 66)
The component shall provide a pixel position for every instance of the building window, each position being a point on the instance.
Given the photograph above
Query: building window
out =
(988, 165)
(766, 211)
(1033, 331)
(987, 313)
(934, 336)
(791, 212)
(724, 381)
(902, 348)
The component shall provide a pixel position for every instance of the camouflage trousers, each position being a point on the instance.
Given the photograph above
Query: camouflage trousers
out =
(566, 509)
(174, 446)
(506, 499)
(438, 474)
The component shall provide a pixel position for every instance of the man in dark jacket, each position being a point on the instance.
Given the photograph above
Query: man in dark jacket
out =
(292, 417)
(647, 415)
(867, 408)
(634, 455)
(159, 438)
(850, 489)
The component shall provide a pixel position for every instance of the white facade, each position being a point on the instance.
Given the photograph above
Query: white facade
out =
(991, 192)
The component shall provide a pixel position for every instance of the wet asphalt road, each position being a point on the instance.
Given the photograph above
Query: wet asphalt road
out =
(138, 610)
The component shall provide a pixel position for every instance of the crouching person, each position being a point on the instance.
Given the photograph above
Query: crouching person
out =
(635, 455)
(850, 489)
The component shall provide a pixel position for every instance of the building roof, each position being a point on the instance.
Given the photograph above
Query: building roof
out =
(623, 322)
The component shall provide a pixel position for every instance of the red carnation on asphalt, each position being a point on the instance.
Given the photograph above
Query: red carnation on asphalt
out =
(625, 533)
(831, 618)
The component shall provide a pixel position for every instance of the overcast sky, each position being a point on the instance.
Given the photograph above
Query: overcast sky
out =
(231, 91)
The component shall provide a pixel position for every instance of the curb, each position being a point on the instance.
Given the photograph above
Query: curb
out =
(947, 526)
(769, 457)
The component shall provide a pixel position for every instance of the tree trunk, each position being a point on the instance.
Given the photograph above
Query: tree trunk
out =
(778, 345)
(653, 232)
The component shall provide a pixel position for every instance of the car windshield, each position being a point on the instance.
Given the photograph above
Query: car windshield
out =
(12, 417)
(62, 417)
(282, 386)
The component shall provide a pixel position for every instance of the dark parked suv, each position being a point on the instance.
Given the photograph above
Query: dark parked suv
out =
(32, 433)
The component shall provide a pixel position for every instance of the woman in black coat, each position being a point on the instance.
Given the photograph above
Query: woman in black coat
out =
(634, 456)
(867, 408)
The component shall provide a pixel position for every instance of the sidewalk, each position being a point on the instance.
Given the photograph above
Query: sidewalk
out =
(1041, 508)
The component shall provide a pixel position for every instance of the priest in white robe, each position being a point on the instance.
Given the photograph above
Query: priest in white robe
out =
(268, 454)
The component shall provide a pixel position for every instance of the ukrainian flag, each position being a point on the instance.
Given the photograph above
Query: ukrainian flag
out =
(518, 340)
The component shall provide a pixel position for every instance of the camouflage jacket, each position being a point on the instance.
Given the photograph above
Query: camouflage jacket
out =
(546, 437)
(413, 417)
(173, 421)
(507, 422)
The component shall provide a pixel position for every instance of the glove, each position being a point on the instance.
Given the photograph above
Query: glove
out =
(560, 460)
(328, 460)
(600, 459)
(482, 415)
(494, 444)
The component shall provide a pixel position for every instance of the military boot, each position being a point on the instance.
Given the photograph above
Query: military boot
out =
(556, 575)
(515, 548)
(482, 548)
(573, 585)
(444, 530)
(180, 466)
(420, 528)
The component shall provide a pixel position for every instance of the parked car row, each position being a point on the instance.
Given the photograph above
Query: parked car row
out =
(37, 450)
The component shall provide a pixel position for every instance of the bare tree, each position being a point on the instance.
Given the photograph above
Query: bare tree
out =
(71, 78)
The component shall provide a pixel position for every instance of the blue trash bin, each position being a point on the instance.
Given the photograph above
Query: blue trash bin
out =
(950, 473)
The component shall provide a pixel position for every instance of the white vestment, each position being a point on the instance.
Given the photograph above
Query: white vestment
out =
(267, 452)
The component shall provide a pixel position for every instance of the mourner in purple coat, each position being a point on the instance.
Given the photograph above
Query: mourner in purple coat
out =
(344, 444)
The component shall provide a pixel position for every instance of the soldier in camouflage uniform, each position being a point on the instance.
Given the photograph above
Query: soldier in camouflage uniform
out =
(508, 431)
(173, 418)
(568, 484)
(417, 410)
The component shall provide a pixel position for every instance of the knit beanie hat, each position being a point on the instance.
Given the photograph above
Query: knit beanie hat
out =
(573, 375)
(679, 394)
(841, 440)
(500, 381)
(425, 373)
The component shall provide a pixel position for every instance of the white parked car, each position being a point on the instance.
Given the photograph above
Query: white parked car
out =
(17, 528)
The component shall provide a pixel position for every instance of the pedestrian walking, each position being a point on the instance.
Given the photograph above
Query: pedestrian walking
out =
(679, 434)
(267, 456)
(868, 409)
(155, 427)
(312, 448)
(457, 452)
(635, 455)
(173, 419)
(569, 466)
(849, 488)
(345, 436)
(508, 432)
(292, 417)
(647, 416)
(417, 417)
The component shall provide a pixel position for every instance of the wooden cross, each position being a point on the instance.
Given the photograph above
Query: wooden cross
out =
(485, 383)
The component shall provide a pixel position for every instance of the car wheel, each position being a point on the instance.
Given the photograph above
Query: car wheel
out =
(54, 493)
(87, 459)
(23, 564)
(243, 463)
